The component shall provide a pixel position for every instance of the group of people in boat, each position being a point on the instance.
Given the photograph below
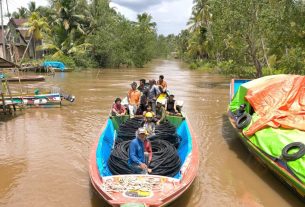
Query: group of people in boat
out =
(144, 98)
(143, 101)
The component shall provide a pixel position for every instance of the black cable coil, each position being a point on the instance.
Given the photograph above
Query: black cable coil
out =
(165, 131)
(165, 160)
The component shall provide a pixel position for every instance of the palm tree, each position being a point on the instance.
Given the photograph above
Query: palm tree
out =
(32, 7)
(200, 15)
(144, 21)
(69, 15)
(21, 13)
(38, 26)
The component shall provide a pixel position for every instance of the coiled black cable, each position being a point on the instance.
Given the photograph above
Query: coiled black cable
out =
(165, 160)
(165, 131)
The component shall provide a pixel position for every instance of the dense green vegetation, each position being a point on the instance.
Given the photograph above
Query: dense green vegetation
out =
(93, 34)
(246, 37)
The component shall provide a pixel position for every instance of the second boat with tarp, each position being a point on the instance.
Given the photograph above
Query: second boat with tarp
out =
(174, 163)
(269, 115)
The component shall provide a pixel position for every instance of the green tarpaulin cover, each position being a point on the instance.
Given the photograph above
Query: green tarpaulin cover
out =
(271, 140)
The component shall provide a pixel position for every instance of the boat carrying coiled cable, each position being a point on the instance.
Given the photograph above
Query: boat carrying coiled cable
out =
(165, 159)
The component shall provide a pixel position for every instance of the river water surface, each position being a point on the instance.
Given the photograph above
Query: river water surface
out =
(44, 152)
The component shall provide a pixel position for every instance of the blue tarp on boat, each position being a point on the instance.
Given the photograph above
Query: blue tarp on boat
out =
(54, 64)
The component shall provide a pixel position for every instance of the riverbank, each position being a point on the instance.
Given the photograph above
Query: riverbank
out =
(231, 69)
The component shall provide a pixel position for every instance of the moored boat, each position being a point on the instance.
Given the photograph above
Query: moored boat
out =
(56, 66)
(151, 190)
(25, 78)
(35, 101)
(268, 115)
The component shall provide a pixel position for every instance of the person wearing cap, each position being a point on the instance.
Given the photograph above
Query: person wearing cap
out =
(136, 159)
(117, 108)
(133, 96)
(149, 124)
(160, 113)
(162, 84)
(153, 94)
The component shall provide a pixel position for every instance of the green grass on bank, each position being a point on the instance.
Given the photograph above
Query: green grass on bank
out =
(231, 69)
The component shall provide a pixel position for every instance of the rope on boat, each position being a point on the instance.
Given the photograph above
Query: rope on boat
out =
(165, 159)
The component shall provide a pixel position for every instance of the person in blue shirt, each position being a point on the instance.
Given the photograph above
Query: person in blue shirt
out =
(136, 159)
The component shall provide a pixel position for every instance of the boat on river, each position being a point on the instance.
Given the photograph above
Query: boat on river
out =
(34, 101)
(148, 190)
(272, 126)
(25, 78)
(56, 66)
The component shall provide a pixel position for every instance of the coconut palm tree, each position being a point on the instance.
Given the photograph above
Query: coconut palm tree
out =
(32, 7)
(38, 26)
(144, 21)
(22, 13)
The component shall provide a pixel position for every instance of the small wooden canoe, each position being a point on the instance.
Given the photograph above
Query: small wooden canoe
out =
(165, 190)
(25, 78)
(278, 165)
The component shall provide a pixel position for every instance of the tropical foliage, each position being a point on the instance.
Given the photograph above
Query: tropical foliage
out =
(94, 35)
(267, 35)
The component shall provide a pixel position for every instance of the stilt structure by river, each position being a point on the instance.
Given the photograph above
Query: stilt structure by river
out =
(7, 105)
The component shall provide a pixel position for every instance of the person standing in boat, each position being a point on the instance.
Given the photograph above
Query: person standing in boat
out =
(160, 113)
(153, 94)
(118, 109)
(142, 85)
(136, 159)
(143, 102)
(133, 99)
(162, 84)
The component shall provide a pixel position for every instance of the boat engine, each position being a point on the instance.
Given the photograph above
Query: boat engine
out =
(68, 97)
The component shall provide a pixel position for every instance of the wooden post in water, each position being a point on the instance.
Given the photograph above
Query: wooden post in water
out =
(10, 94)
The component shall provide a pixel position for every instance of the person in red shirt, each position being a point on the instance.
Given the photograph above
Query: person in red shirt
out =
(117, 108)
(148, 150)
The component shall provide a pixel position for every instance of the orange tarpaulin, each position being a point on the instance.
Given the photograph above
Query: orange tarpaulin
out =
(278, 102)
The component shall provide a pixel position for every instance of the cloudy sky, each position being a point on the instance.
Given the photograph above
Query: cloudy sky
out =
(170, 15)
(14, 4)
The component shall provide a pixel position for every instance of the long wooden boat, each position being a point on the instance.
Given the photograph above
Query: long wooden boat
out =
(25, 78)
(168, 188)
(35, 101)
(269, 153)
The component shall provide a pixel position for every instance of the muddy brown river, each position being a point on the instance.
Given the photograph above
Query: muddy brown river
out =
(44, 152)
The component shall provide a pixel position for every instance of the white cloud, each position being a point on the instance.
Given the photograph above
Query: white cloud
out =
(171, 16)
